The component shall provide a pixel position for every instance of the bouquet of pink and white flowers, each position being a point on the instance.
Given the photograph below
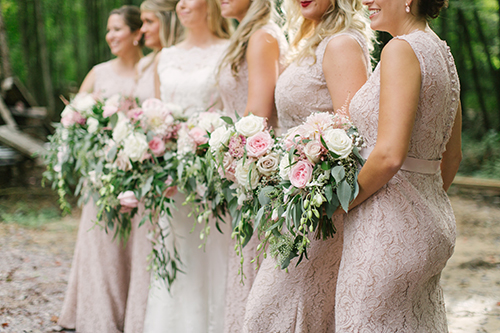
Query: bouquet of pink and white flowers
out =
(318, 171)
(75, 149)
(245, 155)
(197, 175)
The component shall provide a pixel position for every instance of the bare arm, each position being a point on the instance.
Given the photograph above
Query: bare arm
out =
(400, 81)
(453, 154)
(88, 83)
(263, 70)
(344, 67)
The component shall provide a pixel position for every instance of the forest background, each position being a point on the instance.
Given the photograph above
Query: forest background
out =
(52, 44)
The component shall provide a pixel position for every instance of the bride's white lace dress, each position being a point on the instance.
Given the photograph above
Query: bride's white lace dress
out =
(196, 301)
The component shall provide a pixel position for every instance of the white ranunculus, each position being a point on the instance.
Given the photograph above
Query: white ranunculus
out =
(338, 142)
(185, 144)
(175, 109)
(267, 164)
(242, 172)
(209, 121)
(313, 150)
(122, 162)
(285, 167)
(135, 146)
(92, 125)
(250, 125)
(83, 103)
(121, 130)
(219, 137)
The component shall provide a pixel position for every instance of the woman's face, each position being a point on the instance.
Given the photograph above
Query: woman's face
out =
(119, 37)
(385, 14)
(192, 13)
(151, 30)
(314, 9)
(236, 9)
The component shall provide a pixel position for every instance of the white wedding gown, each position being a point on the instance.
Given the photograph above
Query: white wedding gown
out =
(196, 301)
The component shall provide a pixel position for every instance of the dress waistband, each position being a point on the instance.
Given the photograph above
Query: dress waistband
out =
(411, 164)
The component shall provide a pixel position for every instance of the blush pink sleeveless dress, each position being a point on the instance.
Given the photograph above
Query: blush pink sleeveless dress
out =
(303, 299)
(234, 95)
(109, 282)
(398, 241)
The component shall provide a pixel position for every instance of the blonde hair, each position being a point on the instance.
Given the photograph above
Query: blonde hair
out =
(218, 25)
(170, 27)
(305, 36)
(258, 15)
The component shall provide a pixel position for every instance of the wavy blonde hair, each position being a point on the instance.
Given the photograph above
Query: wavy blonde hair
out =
(170, 27)
(258, 15)
(218, 25)
(305, 36)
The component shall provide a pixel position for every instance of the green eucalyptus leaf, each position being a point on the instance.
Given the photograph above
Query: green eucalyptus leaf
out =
(338, 173)
(344, 194)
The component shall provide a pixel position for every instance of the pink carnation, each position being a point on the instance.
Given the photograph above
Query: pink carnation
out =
(72, 117)
(128, 201)
(300, 173)
(134, 114)
(259, 144)
(199, 135)
(237, 146)
(228, 168)
(157, 146)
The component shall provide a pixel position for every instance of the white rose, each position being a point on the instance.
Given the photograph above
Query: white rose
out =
(121, 130)
(267, 164)
(338, 142)
(209, 121)
(92, 125)
(135, 146)
(313, 151)
(219, 137)
(83, 103)
(185, 144)
(250, 125)
(175, 109)
(241, 174)
(113, 100)
(284, 167)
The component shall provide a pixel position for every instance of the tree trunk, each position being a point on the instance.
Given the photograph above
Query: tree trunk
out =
(44, 59)
(475, 73)
(4, 49)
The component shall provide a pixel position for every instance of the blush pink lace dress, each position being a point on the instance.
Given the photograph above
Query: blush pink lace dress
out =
(398, 241)
(302, 300)
(108, 283)
(234, 94)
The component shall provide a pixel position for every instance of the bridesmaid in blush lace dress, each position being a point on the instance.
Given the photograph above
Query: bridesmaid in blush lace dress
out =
(330, 62)
(399, 238)
(247, 78)
(106, 289)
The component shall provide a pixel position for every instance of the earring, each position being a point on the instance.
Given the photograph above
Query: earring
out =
(135, 43)
(407, 8)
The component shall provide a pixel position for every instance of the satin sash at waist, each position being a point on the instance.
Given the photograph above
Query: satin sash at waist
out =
(411, 164)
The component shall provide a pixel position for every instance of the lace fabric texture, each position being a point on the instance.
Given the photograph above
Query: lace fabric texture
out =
(398, 241)
(195, 303)
(234, 94)
(302, 300)
(187, 77)
(108, 283)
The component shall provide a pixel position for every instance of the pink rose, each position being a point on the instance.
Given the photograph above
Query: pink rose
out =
(259, 144)
(300, 173)
(228, 168)
(170, 191)
(157, 146)
(128, 201)
(109, 110)
(199, 135)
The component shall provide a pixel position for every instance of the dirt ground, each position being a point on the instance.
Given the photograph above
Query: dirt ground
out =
(35, 264)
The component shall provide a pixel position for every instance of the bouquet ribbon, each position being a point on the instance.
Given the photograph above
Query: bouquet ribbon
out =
(411, 164)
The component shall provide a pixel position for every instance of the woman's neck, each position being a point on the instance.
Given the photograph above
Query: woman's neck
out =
(199, 37)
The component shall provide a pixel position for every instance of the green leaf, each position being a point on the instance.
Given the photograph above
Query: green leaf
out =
(328, 192)
(263, 195)
(147, 186)
(325, 165)
(259, 216)
(356, 153)
(228, 120)
(344, 194)
(331, 207)
(338, 173)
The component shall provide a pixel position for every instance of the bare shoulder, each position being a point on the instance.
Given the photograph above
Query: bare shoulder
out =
(343, 48)
(262, 38)
(398, 52)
